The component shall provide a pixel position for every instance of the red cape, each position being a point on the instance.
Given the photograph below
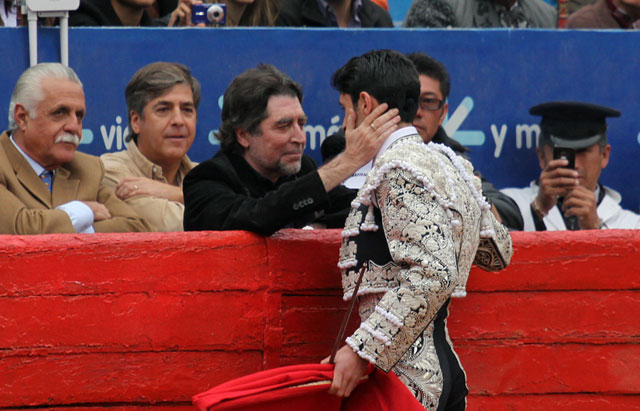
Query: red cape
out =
(305, 387)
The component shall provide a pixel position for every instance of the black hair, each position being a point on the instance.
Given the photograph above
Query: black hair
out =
(430, 67)
(385, 74)
(245, 102)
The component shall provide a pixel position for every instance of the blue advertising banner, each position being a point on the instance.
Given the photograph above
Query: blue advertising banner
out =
(497, 75)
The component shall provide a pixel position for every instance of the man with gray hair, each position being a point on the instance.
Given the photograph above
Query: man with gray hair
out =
(45, 186)
(162, 101)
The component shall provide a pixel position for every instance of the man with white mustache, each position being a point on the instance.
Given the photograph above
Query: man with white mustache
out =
(45, 186)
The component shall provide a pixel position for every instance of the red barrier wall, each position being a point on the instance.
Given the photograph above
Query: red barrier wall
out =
(139, 320)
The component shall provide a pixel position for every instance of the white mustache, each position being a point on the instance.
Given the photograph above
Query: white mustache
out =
(68, 138)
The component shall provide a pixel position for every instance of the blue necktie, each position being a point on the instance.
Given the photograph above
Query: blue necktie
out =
(47, 179)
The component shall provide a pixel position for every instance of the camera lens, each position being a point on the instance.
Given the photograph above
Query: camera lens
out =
(215, 14)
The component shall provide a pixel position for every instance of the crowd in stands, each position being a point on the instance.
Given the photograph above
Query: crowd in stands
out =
(594, 14)
(260, 180)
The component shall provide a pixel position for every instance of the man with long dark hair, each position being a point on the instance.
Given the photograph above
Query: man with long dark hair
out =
(260, 180)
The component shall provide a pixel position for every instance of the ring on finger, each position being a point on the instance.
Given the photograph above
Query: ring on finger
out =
(135, 187)
(373, 126)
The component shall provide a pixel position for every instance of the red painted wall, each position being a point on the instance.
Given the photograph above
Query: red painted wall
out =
(150, 319)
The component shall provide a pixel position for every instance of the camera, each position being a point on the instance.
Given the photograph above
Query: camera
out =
(209, 13)
(568, 154)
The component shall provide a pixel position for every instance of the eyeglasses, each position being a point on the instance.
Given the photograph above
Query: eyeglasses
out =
(431, 104)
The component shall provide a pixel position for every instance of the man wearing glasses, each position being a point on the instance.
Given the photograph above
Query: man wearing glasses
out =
(432, 110)
(434, 91)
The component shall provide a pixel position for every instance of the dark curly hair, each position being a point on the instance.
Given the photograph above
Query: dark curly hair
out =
(385, 74)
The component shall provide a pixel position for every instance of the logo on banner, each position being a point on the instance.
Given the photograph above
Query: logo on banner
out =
(452, 124)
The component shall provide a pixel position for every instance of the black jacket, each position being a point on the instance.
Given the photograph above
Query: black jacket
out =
(101, 13)
(307, 13)
(441, 137)
(226, 193)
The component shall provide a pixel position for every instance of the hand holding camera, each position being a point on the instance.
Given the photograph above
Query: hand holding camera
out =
(581, 204)
(210, 14)
(181, 16)
(557, 179)
(196, 13)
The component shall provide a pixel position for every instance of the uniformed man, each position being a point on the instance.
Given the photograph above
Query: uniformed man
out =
(567, 196)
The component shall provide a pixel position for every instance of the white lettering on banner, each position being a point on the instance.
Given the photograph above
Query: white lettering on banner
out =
(87, 136)
(108, 141)
(115, 135)
(336, 126)
(317, 134)
(498, 138)
(311, 132)
(530, 131)
(461, 112)
(452, 124)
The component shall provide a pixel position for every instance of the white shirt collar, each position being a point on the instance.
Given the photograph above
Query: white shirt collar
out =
(357, 179)
(37, 168)
(393, 137)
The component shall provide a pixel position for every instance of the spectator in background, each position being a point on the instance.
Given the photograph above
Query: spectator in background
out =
(435, 86)
(382, 3)
(243, 13)
(45, 185)
(260, 180)
(9, 13)
(432, 110)
(162, 101)
(607, 14)
(161, 8)
(481, 13)
(251, 12)
(332, 13)
(564, 198)
(574, 5)
(332, 146)
(127, 13)
(238, 13)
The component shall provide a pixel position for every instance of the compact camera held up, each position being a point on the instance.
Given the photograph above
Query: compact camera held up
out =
(209, 13)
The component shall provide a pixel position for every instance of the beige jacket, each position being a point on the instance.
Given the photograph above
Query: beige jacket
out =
(27, 207)
(161, 214)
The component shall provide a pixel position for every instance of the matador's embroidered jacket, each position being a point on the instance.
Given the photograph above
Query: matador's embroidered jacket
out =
(417, 225)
